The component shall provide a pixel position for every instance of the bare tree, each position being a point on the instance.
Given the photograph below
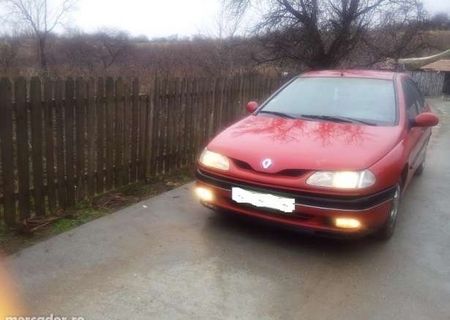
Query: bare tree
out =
(79, 52)
(323, 33)
(9, 50)
(40, 18)
(114, 47)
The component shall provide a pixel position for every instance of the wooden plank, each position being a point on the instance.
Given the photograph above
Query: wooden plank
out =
(80, 116)
(195, 118)
(209, 110)
(148, 139)
(200, 114)
(213, 108)
(118, 134)
(242, 99)
(134, 129)
(226, 102)
(204, 114)
(235, 97)
(91, 139)
(69, 134)
(178, 124)
(143, 109)
(126, 135)
(163, 126)
(59, 147)
(100, 135)
(182, 122)
(154, 150)
(7, 151)
(49, 144)
(171, 126)
(218, 105)
(36, 146)
(109, 127)
(189, 122)
(100, 113)
(23, 156)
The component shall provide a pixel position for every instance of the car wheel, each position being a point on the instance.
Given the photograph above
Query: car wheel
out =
(387, 230)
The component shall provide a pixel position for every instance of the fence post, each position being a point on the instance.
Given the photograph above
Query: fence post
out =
(126, 134)
(69, 133)
(36, 141)
(49, 144)
(134, 129)
(100, 135)
(80, 119)
(60, 149)
(23, 152)
(7, 151)
(92, 138)
(118, 136)
(110, 119)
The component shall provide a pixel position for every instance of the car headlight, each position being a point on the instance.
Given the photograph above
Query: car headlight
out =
(342, 179)
(214, 160)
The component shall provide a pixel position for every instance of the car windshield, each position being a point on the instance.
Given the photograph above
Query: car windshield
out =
(369, 101)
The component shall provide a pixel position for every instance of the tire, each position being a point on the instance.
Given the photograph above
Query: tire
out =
(387, 230)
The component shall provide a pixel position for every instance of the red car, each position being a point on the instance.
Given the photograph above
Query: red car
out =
(331, 152)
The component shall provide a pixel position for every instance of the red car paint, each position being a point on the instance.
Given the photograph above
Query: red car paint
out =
(392, 153)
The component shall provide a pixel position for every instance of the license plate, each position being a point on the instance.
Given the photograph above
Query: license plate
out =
(262, 200)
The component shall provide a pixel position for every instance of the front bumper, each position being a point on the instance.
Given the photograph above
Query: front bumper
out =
(313, 212)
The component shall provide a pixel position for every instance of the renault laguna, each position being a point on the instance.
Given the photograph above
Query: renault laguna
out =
(331, 152)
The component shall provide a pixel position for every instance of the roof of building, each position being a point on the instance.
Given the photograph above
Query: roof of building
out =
(440, 66)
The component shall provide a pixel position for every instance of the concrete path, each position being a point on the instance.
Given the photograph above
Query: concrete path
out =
(170, 258)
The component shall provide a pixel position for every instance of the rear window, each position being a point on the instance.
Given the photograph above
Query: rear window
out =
(371, 100)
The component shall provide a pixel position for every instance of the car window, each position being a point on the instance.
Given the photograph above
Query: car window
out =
(370, 100)
(421, 99)
(413, 99)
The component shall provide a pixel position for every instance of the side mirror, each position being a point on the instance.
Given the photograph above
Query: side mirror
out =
(252, 106)
(426, 119)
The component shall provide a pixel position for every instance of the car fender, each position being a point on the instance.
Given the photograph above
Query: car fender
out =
(389, 169)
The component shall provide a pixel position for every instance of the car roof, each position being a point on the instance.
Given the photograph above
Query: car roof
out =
(349, 73)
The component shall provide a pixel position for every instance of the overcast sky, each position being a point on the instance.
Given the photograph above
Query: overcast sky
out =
(160, 18)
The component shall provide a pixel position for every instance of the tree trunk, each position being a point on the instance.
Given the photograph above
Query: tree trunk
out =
(42, 43)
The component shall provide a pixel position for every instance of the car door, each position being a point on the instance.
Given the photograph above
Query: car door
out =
(417, 137)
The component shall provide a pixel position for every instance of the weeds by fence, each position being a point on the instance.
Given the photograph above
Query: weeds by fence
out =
(64, 141)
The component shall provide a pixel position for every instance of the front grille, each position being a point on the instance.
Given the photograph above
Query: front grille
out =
(295, 173)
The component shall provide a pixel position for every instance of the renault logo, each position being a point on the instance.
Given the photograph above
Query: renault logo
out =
(266, 163)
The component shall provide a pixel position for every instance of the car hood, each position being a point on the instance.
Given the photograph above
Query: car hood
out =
(304, 144)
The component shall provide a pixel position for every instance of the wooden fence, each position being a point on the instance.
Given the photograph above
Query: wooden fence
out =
(430, 83)
(64, 141)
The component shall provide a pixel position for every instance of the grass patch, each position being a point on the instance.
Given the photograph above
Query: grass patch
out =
(81, 216)
(13, 240)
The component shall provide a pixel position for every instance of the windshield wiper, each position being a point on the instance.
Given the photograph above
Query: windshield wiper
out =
(337, 118)
(276, 113)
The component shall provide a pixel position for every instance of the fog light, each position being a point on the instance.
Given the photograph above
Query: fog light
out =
(347, 223)
(204, 194)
